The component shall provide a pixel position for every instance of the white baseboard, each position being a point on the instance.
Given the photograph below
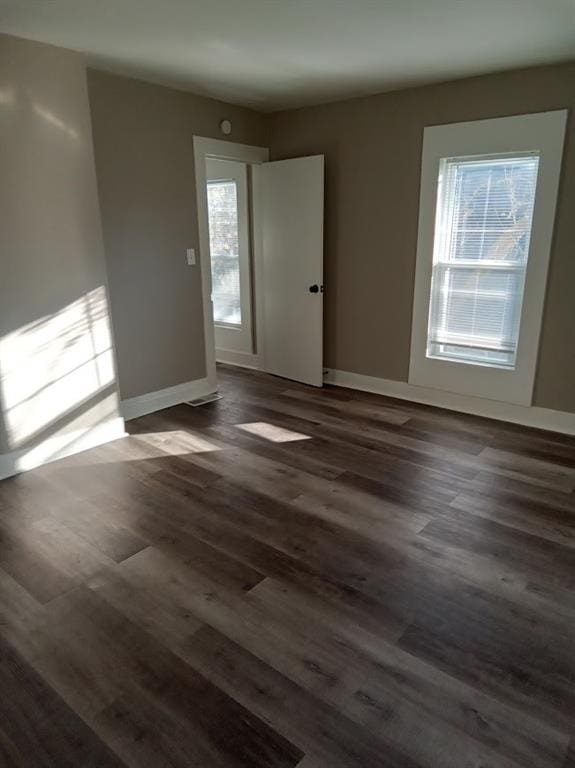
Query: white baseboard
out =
(241, 359)
(60, 445)
(529, 416)
(164, 398)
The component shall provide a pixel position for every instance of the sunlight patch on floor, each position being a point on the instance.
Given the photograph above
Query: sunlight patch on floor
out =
(272, 433)
(176, 442)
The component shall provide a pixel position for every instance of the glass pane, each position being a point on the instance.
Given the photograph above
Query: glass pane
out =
(483, 228)
(476, 309)
(491, 207)
(224, 251)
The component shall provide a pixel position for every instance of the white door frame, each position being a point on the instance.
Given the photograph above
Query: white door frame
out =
(225, 150)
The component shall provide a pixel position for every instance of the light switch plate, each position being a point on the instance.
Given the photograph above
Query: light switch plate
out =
(191, 256)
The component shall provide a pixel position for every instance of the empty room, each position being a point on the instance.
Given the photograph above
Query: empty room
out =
(287, 384)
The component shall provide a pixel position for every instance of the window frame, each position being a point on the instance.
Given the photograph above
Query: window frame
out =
(443, 244)
(543, 133)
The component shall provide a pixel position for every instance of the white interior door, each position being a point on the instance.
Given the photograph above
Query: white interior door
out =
(228, 221)
(292, 194)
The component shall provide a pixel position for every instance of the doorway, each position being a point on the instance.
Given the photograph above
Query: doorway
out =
(261, 253)
(231, 260)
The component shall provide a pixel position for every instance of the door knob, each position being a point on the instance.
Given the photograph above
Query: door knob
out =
(314, 288)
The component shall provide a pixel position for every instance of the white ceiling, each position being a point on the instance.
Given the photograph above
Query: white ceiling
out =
(272, 54)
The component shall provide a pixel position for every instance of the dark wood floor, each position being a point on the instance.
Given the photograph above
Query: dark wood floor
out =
(292, 577)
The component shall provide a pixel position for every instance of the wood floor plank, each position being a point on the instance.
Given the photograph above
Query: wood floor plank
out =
(114, 541)
(292, 576)
(223, 530)
(37, 729)
(529, 470)
(311, 762)
(198, 725)
(523, 675)
(157, 612)
(504, 488)
(47, 558)
(417, 490)
(312, 660)
(103, 664)
(527, 553)
(363, 413)
(314, 726)
(390, 692)
(536, 518)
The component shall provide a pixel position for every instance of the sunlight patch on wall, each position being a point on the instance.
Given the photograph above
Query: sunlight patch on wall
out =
(51, 366)
(272, 433)
(56, 122)
(93, 426)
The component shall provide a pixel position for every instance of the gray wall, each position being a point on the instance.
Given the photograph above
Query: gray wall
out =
(144, 156)
(373, 156)
(56, 360)
(144, 159)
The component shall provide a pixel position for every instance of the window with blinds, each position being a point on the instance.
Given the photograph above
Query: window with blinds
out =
(224, 251)
(483, 227)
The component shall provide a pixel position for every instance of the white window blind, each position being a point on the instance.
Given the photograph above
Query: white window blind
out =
(483, 227)
(224, 251)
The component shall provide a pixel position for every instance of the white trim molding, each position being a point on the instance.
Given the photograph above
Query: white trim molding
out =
(61, 445)
(134, 407)
(528, 416)
(543, 133)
